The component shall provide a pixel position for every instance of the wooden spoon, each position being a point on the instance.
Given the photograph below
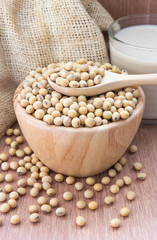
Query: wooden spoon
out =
(110, 81)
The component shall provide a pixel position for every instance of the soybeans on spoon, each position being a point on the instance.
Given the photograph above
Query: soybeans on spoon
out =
(110, 81)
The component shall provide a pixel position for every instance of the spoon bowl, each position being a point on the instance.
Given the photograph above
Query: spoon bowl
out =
(110, 81)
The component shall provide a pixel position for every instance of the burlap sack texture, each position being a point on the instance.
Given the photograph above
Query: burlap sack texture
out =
(35, 33)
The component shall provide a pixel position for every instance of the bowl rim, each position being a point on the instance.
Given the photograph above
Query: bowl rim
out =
(125, 18)
(36, 122)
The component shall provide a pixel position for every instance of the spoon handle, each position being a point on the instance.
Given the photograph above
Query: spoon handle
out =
(140, 79)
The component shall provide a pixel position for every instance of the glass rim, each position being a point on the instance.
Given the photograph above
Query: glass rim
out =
(126, 18)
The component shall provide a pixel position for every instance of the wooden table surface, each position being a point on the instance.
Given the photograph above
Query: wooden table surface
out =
(140, 225)
(120, 8)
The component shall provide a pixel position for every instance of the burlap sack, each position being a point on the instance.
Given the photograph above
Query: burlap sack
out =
(98, 13)
(35, 33)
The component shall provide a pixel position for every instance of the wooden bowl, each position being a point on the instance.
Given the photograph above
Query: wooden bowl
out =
(79, 152)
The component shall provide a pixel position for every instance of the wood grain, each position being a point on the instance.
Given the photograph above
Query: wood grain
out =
(120, 8)
(79, 149)
(141, 224)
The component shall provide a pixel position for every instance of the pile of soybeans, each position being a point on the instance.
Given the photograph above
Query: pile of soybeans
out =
(34, 176)
(41, 101)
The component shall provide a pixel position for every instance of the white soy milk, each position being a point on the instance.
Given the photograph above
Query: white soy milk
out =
(137, 58)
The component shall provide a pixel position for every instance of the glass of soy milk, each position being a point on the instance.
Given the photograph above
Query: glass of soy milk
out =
(133, 47)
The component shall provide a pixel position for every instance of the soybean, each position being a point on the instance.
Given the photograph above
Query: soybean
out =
(15, 219)
(50, 192)
(3, 196)
(67, 196)
(4, 207)
(70, 180)
(33, 208)
(42, 200)
(81, 204)
(133, 149)
(90, 181)
(80, 221)
(127, 180)
(34, 217)
(115, 222)
(46, 208)
(78, 186)
(131, 195)
(60, 211)
(112, 173)
(88, 194)
(137, 166)
(54, 202)
(9, 178)
(93, 205)
(59, 178)
(141, 176)
(120, 183)
(105, 180)
(12, 203)
(114, 189)
(98, 187)
(109, 200)
(124, 211)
